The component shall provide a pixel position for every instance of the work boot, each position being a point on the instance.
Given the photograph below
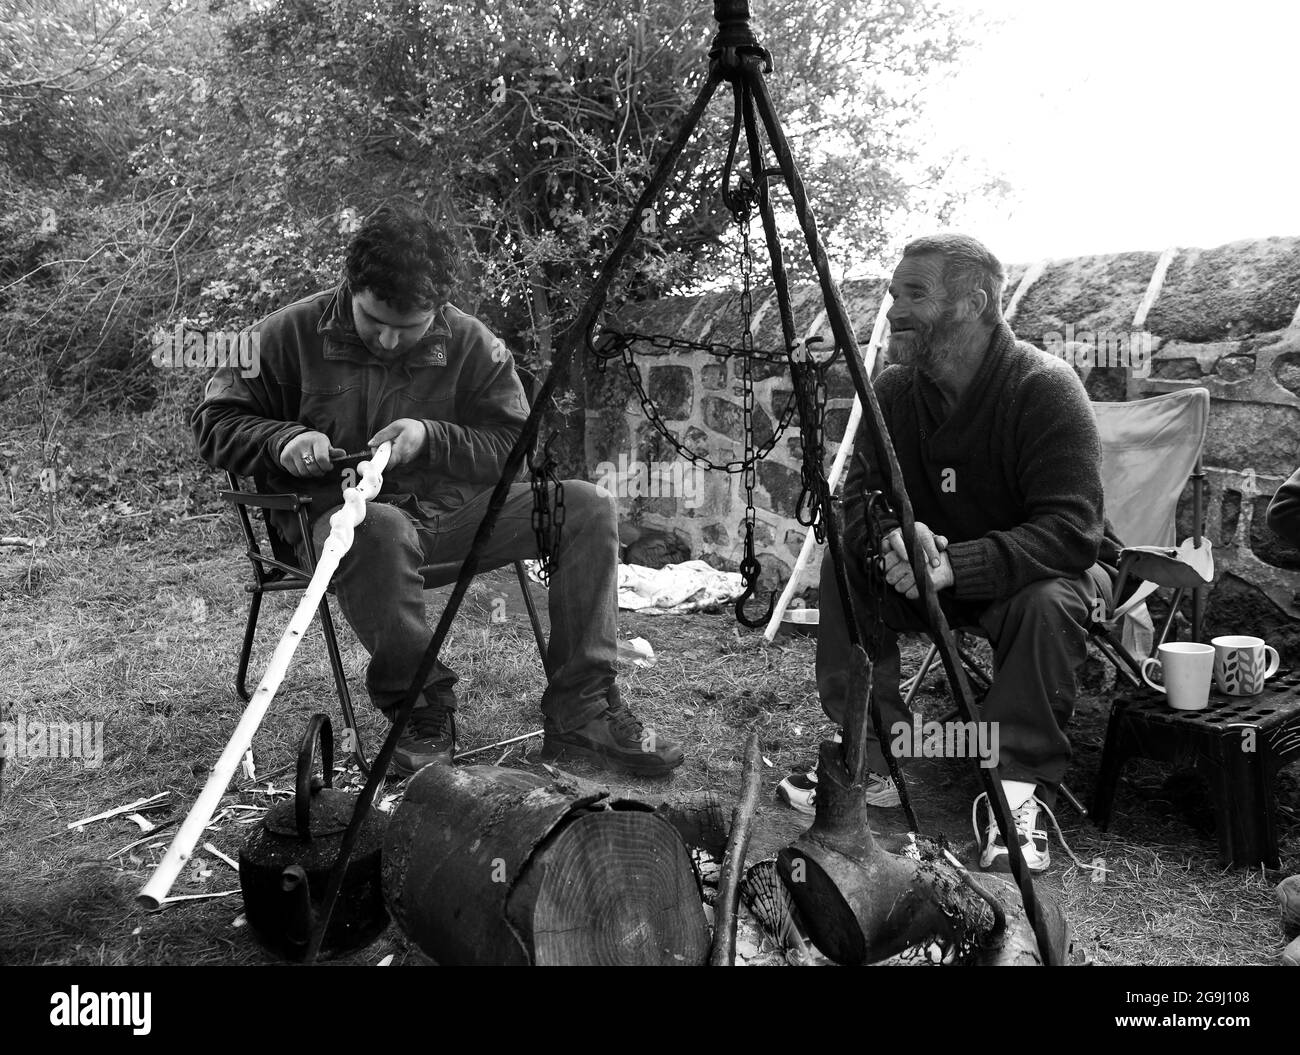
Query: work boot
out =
(429, 739)
(616, 740)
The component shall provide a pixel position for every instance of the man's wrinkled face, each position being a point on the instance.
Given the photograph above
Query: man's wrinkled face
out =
(387, 333)
(922, 320)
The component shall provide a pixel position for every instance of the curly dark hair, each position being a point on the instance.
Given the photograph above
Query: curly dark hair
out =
(401, 256)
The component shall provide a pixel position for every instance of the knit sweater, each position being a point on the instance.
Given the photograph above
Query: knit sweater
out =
(1011, 475)
(1284, 510)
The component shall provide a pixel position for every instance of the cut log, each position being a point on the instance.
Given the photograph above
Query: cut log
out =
(484, 865)
(700, 818)
(614, 887)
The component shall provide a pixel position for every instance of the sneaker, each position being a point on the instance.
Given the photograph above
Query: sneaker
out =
(799, 792)
(994, 856)
(616, 740)
(882, 791)
(428, 740)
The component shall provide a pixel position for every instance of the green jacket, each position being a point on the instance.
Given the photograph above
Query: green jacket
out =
(315, 373)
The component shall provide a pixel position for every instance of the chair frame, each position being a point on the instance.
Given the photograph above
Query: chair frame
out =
(274, 573)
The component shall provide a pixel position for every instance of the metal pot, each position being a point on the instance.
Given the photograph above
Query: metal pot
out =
(284, 866)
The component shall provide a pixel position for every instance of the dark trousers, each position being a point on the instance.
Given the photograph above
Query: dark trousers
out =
(381, 592)
(1039, 637)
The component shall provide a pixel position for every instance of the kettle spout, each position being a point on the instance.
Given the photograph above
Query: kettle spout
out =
(299, 918)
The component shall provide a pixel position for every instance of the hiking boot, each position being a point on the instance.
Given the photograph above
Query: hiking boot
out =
(882, 791)
(616, 740)
(429, 739)
(994, 856)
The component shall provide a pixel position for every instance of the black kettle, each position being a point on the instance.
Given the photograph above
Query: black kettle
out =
(285, 864)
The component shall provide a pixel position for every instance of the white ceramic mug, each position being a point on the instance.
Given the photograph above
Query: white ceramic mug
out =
(1239, 665)
(1187, 668)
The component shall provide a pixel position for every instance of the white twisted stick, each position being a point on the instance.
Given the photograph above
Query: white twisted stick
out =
(343, 525)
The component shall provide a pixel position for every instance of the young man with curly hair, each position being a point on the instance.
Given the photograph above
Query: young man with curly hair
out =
(386, 356)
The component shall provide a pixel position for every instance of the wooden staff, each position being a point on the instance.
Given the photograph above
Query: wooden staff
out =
(725, 917)
(342, 527)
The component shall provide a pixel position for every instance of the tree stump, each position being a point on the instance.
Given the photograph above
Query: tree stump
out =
(483, 865)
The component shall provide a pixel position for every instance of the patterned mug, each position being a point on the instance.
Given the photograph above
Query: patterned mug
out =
(1239, 665)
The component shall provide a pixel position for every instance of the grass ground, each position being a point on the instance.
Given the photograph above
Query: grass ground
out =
(131, 614)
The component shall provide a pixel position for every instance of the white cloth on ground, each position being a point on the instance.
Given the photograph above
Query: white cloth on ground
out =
(675, 588)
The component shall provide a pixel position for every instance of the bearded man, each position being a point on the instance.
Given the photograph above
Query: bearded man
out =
(1002, 463)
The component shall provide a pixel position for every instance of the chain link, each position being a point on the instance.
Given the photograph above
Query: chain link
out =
(624, 343)
(614, 341)
(749, 478)
(809, 375)
(548, 516)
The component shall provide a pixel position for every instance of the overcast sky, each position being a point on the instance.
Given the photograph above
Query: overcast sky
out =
(1129, 124)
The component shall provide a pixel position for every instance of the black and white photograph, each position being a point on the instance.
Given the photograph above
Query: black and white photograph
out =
(754, 483)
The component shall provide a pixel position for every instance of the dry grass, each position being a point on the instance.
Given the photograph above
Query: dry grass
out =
(135, 621)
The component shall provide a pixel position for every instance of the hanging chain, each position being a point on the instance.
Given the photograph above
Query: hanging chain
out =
(548, 516)
(809, 377)
(623, 343)
(749, 567)
(613, 342)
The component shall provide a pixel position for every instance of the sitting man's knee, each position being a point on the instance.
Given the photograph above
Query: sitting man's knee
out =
(1049, 597)
(588, 501)
(384, 529)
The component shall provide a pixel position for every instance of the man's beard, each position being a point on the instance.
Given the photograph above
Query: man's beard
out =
(928, 345)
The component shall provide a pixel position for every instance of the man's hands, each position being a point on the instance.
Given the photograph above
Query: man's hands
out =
(898, 569)
(408, 437)
(308, 454)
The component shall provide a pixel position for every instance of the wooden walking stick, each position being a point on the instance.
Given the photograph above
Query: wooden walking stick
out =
(342, 527)
(723, 953)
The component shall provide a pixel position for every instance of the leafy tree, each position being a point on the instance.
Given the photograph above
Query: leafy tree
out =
(226, 158)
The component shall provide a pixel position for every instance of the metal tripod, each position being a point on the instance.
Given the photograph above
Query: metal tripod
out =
(735, 57)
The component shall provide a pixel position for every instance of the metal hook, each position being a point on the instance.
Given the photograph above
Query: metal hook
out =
(749, 572)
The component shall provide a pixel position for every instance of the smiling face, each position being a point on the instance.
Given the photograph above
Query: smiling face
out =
(922, 318)
(387, 333)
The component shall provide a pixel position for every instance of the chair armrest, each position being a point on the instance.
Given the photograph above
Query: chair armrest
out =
(291, 502)
(1185, 567)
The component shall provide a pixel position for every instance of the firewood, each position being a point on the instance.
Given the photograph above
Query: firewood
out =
(700, 818)
(497, 866)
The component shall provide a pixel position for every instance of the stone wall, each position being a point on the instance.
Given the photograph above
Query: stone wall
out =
(1224, 318)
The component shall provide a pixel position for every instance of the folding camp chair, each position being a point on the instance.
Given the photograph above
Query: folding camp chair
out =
(1150, 449)
(280, 570)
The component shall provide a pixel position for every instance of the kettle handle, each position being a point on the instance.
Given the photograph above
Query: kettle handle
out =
(318, 728)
